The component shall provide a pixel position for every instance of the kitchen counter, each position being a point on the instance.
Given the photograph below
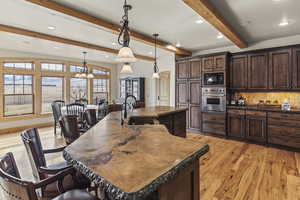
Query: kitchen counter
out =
(264, 108)
(138, 161)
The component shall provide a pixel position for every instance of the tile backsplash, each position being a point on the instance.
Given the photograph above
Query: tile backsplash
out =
(292, 98)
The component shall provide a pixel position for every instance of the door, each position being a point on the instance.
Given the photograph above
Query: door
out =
(163, 89)
(182, 93)
(195, 69)
(182, 70)
(280, 63)
(208, 64)
(296, 68)
(258, 71)
(256, 128)
(238, 72)
(236, 125)
(195, 105)
(219, 63)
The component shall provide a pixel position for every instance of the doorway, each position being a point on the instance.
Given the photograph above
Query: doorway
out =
(163, 89)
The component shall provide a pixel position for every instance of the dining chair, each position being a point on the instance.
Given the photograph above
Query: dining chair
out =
(78, 110)
(69, 126)
(15, 188)
(41, 171)
(56, 110)
(90, 117)
(102, 110)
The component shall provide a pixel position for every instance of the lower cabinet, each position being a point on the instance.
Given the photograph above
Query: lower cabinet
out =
(175, 123)
(256, 126)
(236, 123)
(214, 123)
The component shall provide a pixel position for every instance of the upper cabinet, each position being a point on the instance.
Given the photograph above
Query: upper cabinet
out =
(182, 71)
(280, 68)
(296, 68)
(258, 70)
(195, 69)
(238, 72)
(214, 63)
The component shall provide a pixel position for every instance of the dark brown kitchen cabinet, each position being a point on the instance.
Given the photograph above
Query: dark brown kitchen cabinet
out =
(214, 63)
(258, 71)
(195, 105)
(296, 68)
(236, 123)
(238, 72)
(214, 123)
(195, 69)
(182, 93)
(280, 68)
(256, 126)
(182, 69)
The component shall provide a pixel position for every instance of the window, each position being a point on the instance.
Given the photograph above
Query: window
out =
(19, 65)
(52, 89)
(52, 67)
(97, 71)
(78, 89)
(74, 68)
(18, 94)
(100, 90)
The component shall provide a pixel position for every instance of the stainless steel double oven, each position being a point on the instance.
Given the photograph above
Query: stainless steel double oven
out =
(214, 99)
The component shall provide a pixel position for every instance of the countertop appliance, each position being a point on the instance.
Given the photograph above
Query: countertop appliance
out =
(214, 99)
(216, 79)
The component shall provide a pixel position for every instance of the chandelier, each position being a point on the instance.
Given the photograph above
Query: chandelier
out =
(156, 69)
(84, 73)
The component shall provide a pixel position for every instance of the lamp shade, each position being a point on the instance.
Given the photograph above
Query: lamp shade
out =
(155, 75)
(90, 76)
(126, 69)
(78, 75)
(126, 56)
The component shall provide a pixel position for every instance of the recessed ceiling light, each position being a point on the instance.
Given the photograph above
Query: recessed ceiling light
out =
(114, 44)
(171, 47)
(283, 23)
(56, 47)
(150, 53)
(220, 36)
(106, 56)
(51, 27)
(199, 21)
(178, 44)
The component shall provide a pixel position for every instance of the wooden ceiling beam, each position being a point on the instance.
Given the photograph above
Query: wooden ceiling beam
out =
(113, 28)
(19, 31)
(206, 10)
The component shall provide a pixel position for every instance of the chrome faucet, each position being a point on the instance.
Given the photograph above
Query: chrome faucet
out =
(125, 109)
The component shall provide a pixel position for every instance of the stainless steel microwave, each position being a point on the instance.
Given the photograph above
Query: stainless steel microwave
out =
(213, 79)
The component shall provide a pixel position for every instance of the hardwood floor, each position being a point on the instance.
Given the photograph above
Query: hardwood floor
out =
(232, 170)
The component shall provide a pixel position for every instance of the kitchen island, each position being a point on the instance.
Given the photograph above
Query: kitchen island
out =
(138, 161)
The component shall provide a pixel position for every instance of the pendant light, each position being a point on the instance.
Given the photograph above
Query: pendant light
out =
(84, 73)
(126, 69)
(156, 69)
(125, 54)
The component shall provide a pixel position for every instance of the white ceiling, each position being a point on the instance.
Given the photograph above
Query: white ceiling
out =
(256, 20)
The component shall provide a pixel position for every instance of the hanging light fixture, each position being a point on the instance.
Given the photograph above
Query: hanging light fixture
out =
(156, 69)
(84, 73)
(125, 53)
(126, 69)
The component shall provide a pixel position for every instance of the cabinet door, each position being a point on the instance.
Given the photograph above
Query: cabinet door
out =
(238, 72)
(195, 69)
(296, 68)
(280, 64)
(284, 135)
(236, 125)
(258, 71)
(183, 69)
(256, 128)
(208, 64)
(182, 93)
(219, 63)
(195, 105)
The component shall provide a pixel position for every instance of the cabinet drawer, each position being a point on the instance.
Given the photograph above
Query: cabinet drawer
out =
(214, 128)
(284, 122)
(213, 117)
(236, 112)
(256, 113)
(289, 116)
(284, 135)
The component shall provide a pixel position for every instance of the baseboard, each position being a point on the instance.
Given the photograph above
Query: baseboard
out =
(22, 128)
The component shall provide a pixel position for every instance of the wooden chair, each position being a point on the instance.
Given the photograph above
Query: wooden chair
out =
(56, 110)
(102, 110)
(13, 187)
(39, 166)
(91, 117)
(69, 128)
(78, 110)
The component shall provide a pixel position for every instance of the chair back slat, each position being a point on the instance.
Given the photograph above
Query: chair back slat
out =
(33, 145)
(75, 109)
(11, 186)
(69, 125)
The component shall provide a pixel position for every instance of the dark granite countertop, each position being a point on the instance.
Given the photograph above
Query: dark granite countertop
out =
(263, 108)
(131, 162)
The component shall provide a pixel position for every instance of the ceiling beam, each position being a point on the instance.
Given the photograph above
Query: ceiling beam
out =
(111, 27)
(43, 36)
(205, 9)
